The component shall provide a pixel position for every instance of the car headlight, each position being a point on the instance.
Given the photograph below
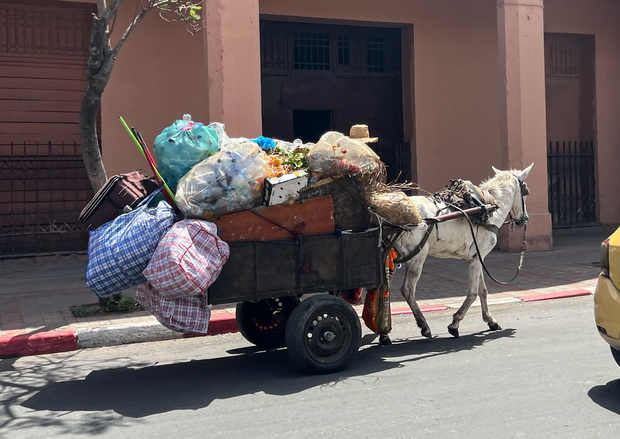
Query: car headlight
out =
(605, 258)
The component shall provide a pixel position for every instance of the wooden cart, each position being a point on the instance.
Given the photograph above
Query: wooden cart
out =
(268, 278)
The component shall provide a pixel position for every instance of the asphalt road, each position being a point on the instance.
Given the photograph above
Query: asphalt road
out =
(546, 375)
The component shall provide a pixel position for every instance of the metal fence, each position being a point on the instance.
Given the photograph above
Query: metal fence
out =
(43, 188)
(572, 187)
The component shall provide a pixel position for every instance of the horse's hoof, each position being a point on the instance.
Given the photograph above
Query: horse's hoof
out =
(426, 332)
(454, 332)
(384, 340)
(495, 327)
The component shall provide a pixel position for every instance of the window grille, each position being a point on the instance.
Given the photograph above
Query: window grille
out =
(44, 31)
(349, 50)
(274, 52)
(564, 57)
(375, 54)
(311, 51)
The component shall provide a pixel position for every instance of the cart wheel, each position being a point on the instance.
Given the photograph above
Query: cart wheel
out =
(323, 334)
(263, 322)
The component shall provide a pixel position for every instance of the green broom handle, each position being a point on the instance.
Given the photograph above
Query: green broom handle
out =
(141, 148)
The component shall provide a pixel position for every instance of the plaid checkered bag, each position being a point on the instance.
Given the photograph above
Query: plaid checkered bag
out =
(187, 260)
(189, 315)
(119, 250)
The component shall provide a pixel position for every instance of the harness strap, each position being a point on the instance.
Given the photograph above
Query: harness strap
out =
(402, 259)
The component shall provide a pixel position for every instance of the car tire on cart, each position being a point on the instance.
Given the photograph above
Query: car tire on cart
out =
(263, 322)
(323, 334)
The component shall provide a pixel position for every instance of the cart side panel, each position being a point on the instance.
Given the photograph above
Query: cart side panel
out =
(364, 262)
(277, 265)
(311, 264)
(321, 264)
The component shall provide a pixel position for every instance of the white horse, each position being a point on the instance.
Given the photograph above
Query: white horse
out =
(453, 239)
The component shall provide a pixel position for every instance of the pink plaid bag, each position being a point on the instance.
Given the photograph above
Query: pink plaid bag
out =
(189, 315)
(187, 260)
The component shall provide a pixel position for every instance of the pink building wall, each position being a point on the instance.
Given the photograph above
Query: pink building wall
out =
(159, 75)
(453, 92)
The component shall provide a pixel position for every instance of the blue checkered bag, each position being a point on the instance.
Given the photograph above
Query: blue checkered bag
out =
(118, 251)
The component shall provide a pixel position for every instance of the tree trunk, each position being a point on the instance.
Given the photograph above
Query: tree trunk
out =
(99, 68)
(90, 143)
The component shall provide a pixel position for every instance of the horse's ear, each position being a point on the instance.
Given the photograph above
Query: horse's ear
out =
(526, 172)
(497, 171)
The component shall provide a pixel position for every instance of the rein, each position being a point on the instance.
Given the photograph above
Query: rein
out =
(473, 235)
(524, 191)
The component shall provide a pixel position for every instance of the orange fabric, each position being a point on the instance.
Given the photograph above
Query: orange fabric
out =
(376, 313)
(354, 297)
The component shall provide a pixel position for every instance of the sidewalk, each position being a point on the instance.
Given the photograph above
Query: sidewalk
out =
(37, 293)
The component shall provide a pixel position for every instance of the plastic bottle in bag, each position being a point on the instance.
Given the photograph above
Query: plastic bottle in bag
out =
(229, 181)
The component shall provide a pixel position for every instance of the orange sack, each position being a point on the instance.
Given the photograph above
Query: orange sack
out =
(376, 313)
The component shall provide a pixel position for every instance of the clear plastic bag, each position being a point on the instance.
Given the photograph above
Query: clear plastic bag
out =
(182, 145)
(336, 154)
(229, 181)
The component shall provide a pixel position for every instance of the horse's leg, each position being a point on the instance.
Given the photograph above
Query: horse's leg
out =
(413, 271)
(474, 272)
(486, 315)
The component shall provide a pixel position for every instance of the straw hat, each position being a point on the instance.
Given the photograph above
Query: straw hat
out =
(360, 132)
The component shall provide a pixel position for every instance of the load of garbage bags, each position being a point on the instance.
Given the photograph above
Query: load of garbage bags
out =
(214, 174)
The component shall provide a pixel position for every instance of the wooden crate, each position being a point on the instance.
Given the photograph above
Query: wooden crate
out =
(314, 216)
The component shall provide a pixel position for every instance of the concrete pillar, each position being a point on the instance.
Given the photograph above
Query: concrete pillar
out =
(233, 65)
(522, 114)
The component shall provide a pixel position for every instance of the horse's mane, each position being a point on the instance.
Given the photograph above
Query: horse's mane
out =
(496, 185)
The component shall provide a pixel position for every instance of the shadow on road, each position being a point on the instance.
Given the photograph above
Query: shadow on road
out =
(136, 393)
(607, 396)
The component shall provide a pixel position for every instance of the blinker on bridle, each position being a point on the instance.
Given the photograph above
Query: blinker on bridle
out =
(525, 191)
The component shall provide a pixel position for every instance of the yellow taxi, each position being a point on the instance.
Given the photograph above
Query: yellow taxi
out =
(607, 294)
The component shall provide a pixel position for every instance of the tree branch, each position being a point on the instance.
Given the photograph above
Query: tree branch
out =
(130, 28)
(110, 12)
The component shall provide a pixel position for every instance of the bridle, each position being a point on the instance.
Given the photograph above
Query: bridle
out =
(525, 191)
(518, 222)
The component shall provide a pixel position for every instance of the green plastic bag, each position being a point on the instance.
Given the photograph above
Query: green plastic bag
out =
(182, 145)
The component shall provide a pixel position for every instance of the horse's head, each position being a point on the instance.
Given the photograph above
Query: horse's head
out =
(518, 211)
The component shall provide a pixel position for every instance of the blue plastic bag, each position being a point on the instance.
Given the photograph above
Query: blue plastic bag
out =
(182, 145)
(121, 249)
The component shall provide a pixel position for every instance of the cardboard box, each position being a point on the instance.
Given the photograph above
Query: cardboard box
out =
(279, 190)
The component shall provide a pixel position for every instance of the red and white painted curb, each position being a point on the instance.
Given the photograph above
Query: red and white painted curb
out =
(70, 340)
